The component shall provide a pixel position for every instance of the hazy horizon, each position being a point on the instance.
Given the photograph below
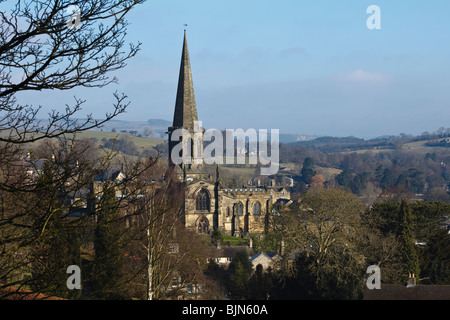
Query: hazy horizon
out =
(304, 68)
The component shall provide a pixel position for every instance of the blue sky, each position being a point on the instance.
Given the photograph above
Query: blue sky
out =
(309, 67)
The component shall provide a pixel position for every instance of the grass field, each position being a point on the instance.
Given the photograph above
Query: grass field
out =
(226, 240)
(327, 172)
(418, 147)
(141, 142)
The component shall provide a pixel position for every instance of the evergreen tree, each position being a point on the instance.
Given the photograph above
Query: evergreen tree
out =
(58, 250)
(260, 284)
(73, 246)
(436, 259)
(345, 178)
(308, 171)
(388, 178)
(108, 260)
(415, 181)
(47, 265)
(240, 270)
(379, 172)
(408, 250)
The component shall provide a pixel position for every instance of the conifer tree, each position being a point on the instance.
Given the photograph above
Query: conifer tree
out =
(54, 254)
(73, 257)
(108, 260)
(58, 245)
(308, 171)
(240, 270)
(408, 251)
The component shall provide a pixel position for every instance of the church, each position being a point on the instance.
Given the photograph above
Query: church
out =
(209, 205)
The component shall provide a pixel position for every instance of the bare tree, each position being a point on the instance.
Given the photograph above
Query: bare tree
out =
(168, 257)
(326, 228)
(43, 187)
(148, 132)
(42, 51)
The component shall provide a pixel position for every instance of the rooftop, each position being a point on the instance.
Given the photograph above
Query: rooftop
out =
(401, 292)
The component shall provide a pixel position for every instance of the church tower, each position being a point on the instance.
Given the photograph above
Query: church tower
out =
(186, 133)
(208, 207)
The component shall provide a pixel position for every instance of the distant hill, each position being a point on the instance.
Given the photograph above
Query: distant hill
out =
(383, 143)
(141, 142)
(153, 128)
(336, 144)
(159, 123)
(159, 127)
(291, 138)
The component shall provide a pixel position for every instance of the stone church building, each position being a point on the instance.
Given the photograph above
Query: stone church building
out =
(208, 204)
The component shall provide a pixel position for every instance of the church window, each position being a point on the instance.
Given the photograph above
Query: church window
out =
(257, 208)
(239, 209)
(203, 225)
(203, 201)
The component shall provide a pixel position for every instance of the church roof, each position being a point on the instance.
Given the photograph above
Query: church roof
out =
(185, 114)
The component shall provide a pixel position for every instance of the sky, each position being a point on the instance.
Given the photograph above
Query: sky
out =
(304, 67)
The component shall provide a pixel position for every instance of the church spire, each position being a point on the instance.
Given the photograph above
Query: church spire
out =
(185, 114)
(185, 117)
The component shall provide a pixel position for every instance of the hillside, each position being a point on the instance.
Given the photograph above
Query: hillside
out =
(418, 162)
(141, 142)
(421, 144)
(153, 128)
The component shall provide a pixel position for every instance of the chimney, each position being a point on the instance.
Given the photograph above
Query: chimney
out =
(411, 281)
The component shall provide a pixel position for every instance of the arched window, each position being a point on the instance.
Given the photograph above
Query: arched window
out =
(202, 201)
(239, 208)
(203, 225)
(257, 208)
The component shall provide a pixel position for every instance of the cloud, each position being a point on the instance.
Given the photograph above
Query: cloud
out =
(362, 76)
(209, 54)
(292, 52)
(252, 53)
